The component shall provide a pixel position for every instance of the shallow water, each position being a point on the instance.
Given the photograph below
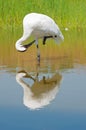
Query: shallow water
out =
(48, 96)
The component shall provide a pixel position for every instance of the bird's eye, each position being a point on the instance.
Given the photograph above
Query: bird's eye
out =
(55, 35)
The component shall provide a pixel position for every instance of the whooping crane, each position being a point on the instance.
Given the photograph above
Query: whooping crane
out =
(38, 26)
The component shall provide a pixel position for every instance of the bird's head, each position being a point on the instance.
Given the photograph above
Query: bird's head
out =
(59, 37)
(20, 47)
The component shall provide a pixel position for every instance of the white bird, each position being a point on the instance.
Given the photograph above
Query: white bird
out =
(38, 26)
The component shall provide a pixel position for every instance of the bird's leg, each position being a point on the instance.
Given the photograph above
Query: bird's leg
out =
(38, 51)
(45, 38)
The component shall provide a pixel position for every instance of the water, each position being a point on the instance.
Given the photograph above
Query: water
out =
(49, 96)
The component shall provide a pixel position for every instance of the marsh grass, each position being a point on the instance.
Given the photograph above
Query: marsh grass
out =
(67, 13)
(72, 49)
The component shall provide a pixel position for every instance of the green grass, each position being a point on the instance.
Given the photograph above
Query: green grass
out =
(67, 13)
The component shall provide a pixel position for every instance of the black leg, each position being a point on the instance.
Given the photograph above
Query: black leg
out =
(45, 38)
(38, 53)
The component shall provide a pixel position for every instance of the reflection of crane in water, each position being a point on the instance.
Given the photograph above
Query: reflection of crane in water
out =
(41, 92)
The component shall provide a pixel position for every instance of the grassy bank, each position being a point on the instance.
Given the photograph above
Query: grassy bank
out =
(67, 13)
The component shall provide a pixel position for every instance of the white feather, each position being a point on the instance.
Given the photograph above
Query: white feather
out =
(38, 25)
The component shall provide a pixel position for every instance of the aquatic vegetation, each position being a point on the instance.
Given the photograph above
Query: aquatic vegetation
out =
(68, 53)
(68, 13)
